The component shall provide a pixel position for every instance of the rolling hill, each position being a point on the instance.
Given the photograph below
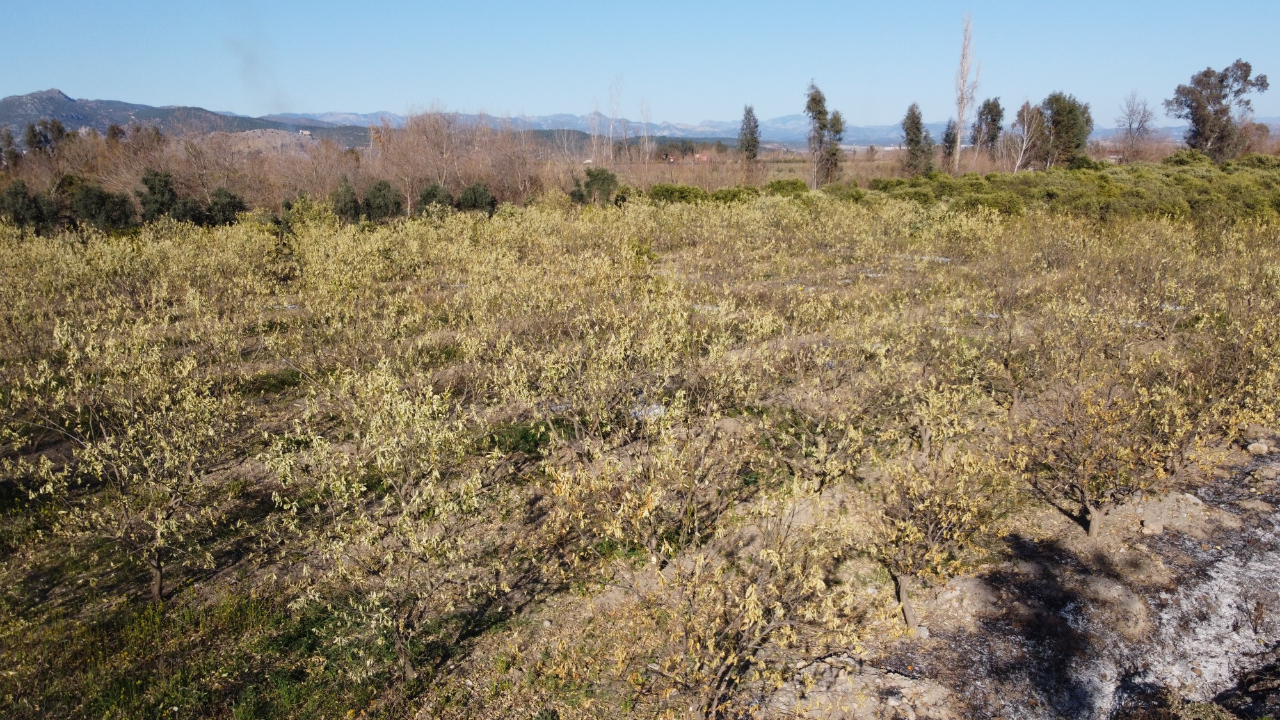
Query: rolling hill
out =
(17, 111)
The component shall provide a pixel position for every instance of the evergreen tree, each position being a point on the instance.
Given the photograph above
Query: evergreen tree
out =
(189, 210)
(382, 201)
(987, 126)
(44, 136)
(224, 207)
(25, 209)
(749, 134)
(158, 197)
(434, 194)
(1207, 104)
(104, 210)
(950, 141)
(815, 107)
(477, 197)
(918, 143)
(826, 130)
(831, 160)
(598, 189)
(10, 155)
(345, 203)
(1068, 123)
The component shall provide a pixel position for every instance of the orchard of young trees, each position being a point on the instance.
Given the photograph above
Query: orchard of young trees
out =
(475, 422)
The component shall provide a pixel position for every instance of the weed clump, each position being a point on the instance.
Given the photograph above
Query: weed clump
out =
(667, 193)
(790, 187)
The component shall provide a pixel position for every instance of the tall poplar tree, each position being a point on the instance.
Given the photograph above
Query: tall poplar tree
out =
(826, 130)
(950, 142)
(749, 134)
(917, 142)
(987, 126)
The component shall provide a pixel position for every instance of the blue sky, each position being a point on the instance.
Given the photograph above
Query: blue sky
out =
(688, 61)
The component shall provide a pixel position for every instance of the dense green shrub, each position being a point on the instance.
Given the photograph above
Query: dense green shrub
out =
(189, 210)
(1084, 162)
(225, 206)
(24, 208)
(886, 184)
(346, 204)
(597, 190)
(1005, 203)
(845, 191)
(1185, 158)
(737, 193)
(1188, 186)
(382, 201)
(158, 197)
(477, 197)
(92, 205)
(1253, 162)
(790, 187)
(435, 195)
(667, 193)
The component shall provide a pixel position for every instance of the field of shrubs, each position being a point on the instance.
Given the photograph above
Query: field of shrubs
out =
(574, 460)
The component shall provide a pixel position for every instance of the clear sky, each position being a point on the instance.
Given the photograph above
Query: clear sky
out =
(688, 61)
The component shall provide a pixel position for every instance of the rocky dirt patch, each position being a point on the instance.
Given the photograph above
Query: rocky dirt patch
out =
(1175, 606)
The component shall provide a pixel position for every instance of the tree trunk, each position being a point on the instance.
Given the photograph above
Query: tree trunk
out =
(402, 653)
(157, 580)
(1093, 519)
(908, 614)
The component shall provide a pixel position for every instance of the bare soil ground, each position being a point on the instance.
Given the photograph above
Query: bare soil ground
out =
(1132, 624)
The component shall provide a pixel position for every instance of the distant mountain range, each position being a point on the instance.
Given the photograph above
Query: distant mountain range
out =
(16, 111)
(785, 129)
(351, 129)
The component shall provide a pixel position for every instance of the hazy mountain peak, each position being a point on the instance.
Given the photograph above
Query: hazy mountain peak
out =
(51, 94)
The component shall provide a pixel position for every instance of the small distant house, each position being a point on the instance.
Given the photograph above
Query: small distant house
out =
(305, 132)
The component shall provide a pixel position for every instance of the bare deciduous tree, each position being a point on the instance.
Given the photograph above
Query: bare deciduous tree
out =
(965, 88)
(1134, 125)
(615, 97)
(593, 128)
(1027, 136)
(646, 142)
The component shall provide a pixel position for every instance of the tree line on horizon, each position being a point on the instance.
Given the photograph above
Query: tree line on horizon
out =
(1052, 133)
(57, 178)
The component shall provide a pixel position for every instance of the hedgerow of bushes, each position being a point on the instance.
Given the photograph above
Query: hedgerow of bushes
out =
(75, 201)
(1186, 186)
